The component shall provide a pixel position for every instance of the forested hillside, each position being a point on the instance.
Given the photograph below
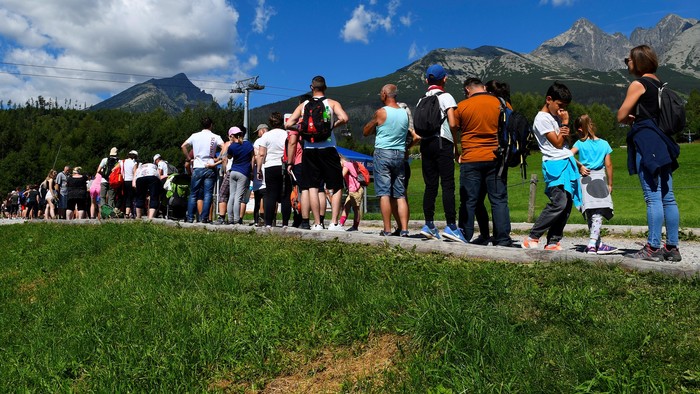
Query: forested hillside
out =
(34, 139)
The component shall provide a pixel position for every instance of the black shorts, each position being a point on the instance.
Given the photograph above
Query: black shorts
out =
(322, 166)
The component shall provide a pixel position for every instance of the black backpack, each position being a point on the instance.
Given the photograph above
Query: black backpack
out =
(316, 123)
(428, 117)
(107, 169)
(514, 139)
(671, 119)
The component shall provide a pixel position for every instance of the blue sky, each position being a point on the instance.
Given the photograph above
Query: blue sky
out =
(86, 51)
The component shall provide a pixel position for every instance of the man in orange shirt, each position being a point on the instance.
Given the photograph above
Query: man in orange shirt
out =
(477, 117)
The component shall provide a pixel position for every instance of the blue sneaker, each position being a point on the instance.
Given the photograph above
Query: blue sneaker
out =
(430, 233)
(453, 235)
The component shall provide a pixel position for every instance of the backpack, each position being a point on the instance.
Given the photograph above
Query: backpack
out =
(671, 119)
(171, 168)
(514, 139)
(116, 178)
(316, 122)
(107, 169)
(362, 173)
(428, 117)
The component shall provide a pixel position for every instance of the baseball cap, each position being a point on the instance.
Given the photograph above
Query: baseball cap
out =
(113, 151)
(234, 131)
(435, 72)
(261, 126)
(133, 152)
(156, 157)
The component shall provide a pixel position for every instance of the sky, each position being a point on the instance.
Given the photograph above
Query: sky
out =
(80, 52)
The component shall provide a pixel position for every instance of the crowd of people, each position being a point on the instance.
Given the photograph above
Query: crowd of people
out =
(294, 165)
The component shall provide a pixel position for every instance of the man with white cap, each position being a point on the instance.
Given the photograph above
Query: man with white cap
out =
(104, 169)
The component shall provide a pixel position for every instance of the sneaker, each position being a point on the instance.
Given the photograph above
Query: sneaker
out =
(480, 240)
(396, 233)
(672, 254)
(556, 246)
(335, 227)
(453, 235)
(529, 243)
(591, 250)
(316, 227)
(647, 253)
(430, 233)
(353, 228)
(305, 226)
(220, 221)
(385, 233)
(606, 249)
(403, 233)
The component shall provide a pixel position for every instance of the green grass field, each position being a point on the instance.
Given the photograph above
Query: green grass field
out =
(627, 193)
(145, 308)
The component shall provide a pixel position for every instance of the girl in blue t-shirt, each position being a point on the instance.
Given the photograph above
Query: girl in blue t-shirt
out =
(596, 171)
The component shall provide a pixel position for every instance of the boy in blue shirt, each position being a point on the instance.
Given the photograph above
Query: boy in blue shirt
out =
(558, 166)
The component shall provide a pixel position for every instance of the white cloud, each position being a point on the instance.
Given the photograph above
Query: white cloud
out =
(271, 56)
(145, 37)
(364, 21)
(415, 52)
(262, 16)
(558, 3)
(406, 20)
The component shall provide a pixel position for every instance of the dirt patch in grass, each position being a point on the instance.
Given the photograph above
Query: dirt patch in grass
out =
(336, 368)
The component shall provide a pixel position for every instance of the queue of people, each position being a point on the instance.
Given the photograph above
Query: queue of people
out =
(296, 156)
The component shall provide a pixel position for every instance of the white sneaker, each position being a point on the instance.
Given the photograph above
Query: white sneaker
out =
(335, 227)
(316, 227)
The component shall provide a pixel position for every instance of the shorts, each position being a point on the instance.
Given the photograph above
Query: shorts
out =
(224, 189)
(147, 186)
(72, 203)
(389, 173)
(322, 166)
(355, 198)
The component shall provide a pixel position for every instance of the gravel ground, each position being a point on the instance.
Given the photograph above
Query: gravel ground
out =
(625, 238)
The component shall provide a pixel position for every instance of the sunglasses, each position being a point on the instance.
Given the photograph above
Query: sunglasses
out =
(627, 60)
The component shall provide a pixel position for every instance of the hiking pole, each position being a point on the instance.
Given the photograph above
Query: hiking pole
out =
(53, 167)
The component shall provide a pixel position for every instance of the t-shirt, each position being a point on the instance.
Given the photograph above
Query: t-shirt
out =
(163, 166)
(102, 167)
(545, 123)
(241, 155)
(298, 154)
(477, 117)
(351, 177)
(592, 152)
(77, 187)
(128, 169)
(62, 180)
(274, 141)
(446, 102)
(204, 144)
(392, 133)
(146, 169)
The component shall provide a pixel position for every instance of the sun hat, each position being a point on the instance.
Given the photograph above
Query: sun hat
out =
(113, 151)
(156, 157)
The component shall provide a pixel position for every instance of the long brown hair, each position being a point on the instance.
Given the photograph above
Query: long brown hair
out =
(585, 127)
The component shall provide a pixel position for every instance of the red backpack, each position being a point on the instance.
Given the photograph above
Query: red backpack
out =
(116, 178)
(362, 173)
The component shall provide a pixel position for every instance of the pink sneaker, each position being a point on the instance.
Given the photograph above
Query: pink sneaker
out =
(556, 246)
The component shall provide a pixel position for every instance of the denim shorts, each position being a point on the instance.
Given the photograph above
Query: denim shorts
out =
(389, 173)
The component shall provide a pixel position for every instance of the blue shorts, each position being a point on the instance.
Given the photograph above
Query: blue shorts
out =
(389, 173)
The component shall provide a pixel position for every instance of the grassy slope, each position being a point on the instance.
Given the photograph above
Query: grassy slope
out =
(138, 307)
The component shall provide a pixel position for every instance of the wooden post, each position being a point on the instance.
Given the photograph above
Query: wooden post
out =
(531, 200)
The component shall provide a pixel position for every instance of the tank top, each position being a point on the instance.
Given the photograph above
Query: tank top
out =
(649, 99)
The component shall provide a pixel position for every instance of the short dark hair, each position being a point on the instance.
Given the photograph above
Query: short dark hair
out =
(472, 81)
(559, 91)
(319, 83)
(644, 60)
(207, 122)
(498, 88)
(276, 120)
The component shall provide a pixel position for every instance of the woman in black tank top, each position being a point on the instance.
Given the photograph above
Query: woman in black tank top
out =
(652, 155)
